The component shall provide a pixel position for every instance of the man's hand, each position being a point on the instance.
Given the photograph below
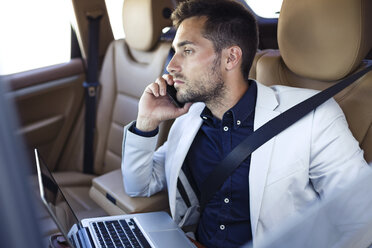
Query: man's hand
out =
(155, 106)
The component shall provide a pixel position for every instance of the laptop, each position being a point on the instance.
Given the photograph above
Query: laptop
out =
(144, 230)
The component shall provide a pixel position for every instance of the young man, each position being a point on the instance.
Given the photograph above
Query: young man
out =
(214, 47)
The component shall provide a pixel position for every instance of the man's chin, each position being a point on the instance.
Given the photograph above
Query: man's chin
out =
(184, 98)
(180, 97)
(183, 101)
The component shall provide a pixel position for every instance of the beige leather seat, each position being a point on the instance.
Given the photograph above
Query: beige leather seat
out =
(130, 64)
(320, 43)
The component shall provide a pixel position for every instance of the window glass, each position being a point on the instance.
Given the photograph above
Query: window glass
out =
(34, 34)
(266, 8)
(114, 9)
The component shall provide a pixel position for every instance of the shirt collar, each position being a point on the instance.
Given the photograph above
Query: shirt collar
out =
(241, 111)
(245, 106)
(207, 116)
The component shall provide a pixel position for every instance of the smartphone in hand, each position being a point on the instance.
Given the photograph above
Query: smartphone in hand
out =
(172, 92)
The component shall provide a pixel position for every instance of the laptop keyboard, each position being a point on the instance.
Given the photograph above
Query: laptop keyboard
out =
(120, 233)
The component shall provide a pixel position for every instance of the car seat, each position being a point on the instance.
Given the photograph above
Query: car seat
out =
(130, 64)
(320, 43)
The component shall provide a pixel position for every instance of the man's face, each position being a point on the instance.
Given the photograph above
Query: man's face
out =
(195, 67)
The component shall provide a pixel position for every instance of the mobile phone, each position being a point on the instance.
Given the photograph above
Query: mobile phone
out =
(172, 92)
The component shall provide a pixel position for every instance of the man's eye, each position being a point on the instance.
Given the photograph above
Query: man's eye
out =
(187, 51)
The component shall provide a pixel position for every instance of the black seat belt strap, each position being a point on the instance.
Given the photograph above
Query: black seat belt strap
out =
(270, 129)
(90, 86)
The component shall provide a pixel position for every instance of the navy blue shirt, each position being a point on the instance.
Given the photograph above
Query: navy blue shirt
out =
(225, 221)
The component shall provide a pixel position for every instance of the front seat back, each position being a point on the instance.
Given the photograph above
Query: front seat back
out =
(320, 43)
(130, 64)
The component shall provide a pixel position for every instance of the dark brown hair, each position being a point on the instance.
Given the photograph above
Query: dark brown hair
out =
(228, 23)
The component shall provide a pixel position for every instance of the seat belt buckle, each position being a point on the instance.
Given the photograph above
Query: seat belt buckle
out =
(91, 88)
(92, 91)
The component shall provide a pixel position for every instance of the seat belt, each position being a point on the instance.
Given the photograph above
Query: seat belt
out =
(270, 129)
(90, 86)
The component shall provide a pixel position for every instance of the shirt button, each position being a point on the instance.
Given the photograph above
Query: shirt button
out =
(225, 128)
(204, 117)
(226, 200)
(238, 122)
(222, 227)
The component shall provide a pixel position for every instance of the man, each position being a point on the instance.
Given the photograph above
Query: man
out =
(214, 47)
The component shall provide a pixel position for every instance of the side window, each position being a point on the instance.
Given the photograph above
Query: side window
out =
(34, 34)
(265, 8)
(114, 9)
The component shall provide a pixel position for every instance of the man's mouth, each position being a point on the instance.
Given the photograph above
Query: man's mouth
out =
(178, 82)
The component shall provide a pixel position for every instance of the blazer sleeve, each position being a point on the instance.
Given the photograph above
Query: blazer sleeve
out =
(142, 168)
(336, 158)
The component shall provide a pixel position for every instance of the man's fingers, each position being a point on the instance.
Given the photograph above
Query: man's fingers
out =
(162, 86)
(168, 78)
(153, 89)
(162, 83)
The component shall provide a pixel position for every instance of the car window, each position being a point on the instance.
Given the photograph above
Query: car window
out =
(34, 34)
(265, 8)
(114, 9)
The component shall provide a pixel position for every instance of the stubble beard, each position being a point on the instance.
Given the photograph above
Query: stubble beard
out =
(210, 88)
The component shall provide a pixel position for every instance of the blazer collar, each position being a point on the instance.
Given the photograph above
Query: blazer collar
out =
(266, 102)
(260, 161)
(183, 143)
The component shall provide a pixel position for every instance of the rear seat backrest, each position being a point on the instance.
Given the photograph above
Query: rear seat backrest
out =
(321, 42)
(130, 64)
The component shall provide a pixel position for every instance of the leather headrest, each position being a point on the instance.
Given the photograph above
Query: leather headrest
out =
(324, 39)
(143, 21)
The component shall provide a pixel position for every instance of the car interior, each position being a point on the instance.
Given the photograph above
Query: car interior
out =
(313, 44)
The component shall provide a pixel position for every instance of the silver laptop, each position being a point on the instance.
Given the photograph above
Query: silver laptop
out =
(155, 229)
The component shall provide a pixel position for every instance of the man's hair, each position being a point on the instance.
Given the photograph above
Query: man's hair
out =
(228, 23)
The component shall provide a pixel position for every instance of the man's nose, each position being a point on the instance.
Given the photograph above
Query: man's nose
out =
(173, 65)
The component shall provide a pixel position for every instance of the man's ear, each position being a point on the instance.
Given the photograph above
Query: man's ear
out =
(233, 57)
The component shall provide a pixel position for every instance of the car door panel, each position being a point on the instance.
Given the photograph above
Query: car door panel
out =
(48, 102)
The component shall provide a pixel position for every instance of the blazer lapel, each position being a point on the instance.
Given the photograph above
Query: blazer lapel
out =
(182, 145)
(260, 159)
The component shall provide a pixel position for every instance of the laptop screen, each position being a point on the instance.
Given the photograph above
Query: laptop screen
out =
(54, 199)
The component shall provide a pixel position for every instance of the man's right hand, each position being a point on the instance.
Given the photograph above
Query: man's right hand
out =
(155, 106)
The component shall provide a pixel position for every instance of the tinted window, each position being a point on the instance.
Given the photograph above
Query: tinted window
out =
(266, 8)
(34, 34)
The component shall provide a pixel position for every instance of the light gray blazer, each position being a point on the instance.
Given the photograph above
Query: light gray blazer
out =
(303, 164)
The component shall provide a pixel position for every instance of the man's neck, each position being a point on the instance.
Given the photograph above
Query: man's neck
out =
(232, 95)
